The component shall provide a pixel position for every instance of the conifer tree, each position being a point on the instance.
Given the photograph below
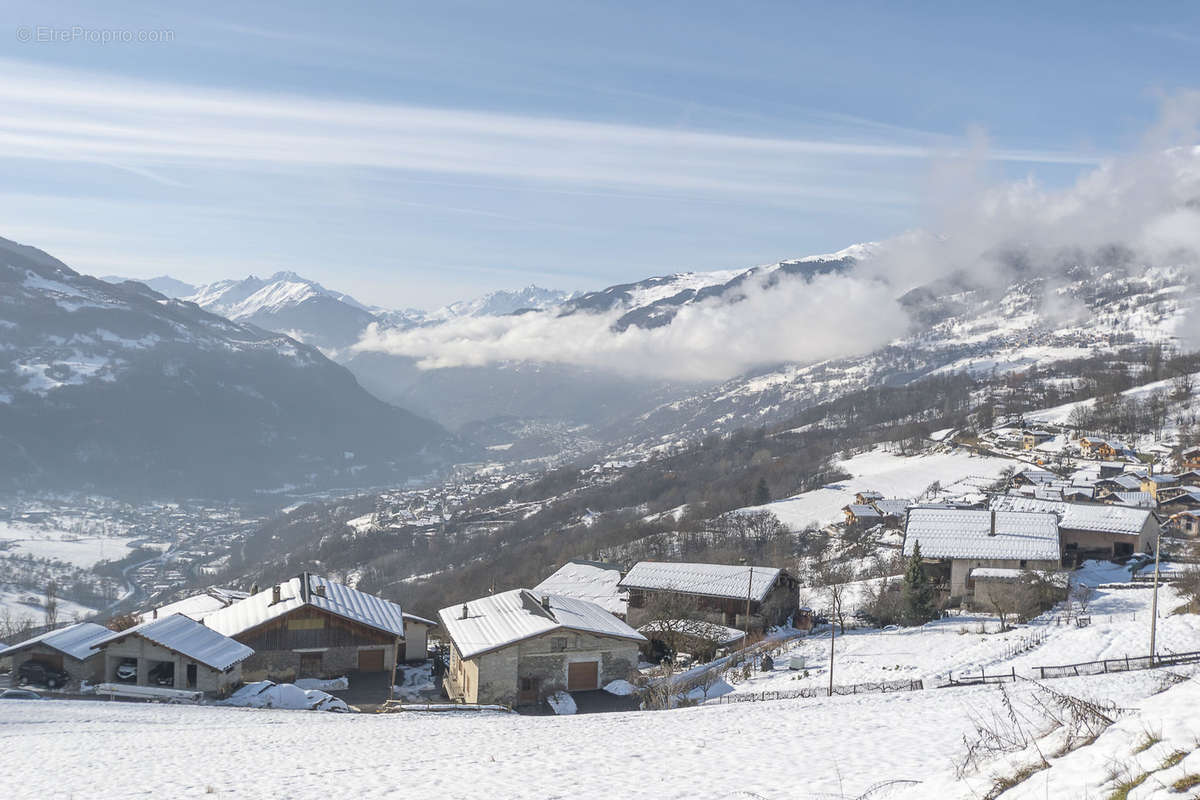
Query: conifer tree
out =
(917, 591)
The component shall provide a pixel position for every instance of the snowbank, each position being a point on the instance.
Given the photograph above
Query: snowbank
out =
(562, 703)
(330, 685)
(268, 694)
(620, 688)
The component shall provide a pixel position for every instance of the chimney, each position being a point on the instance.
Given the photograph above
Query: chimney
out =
(546, 602)
(319, 590)
(464, 611)
(305, 589)
(202, 622)
(276, 591)
(154, 614)
(992, 532)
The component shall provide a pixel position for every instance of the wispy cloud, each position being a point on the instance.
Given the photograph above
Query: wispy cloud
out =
(71, 116)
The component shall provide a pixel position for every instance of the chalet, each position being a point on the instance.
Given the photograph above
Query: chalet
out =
(1127, 482)
(1035, 477)
(593, 581)
(867, 497)
(67, 649)
(517, 648)
(1178, 498)
(720, 593)
(1190, 458)
(312, 627)
(956, 542)
(178, 653)
(1033, 438)
(1131, 499)
(863, 514)
(1092, 530)
(1155, 483)
(1104, 449)
(1186, 523)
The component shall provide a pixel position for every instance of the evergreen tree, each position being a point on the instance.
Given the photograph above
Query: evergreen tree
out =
(917, 591)
(762, 493)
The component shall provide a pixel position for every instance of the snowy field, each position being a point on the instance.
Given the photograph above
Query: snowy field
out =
(893, 475)
(795, 749)
(1120, 626)
(24, 604)
(82, 549)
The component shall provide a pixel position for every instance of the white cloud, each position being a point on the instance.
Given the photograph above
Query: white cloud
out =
(795, 320)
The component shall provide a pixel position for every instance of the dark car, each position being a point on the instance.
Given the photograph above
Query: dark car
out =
(163, 674)
(19, 694)
(41, 674)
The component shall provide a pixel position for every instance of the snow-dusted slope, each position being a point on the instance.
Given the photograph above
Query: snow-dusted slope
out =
(122, 389)
(501, 302)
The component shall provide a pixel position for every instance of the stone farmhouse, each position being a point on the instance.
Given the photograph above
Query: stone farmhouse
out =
(516, 648)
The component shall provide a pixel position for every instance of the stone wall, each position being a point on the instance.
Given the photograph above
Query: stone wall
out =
(283, 666)
(960, 569)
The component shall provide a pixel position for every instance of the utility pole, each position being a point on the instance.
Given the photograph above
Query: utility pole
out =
(746, 627)
(832, 636)
(1154, 601)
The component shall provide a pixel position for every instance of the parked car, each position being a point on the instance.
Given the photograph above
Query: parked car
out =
(163, 674)
(127, 670)
(36, 672)
(19, 694)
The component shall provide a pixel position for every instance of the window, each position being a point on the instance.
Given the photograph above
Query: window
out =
(1024, 563)
(558, 644)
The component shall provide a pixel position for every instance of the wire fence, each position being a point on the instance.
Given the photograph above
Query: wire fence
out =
(1126, 664)
(877, 687)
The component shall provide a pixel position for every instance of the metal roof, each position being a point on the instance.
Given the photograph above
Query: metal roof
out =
(188, 638)
(593, 581)
(1080, 516)
(710, 580)
(198, 606)
(74, 640)
(499, 620)
(967, 533)
(351, 604)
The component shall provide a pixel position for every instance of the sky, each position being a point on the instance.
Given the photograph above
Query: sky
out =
(414, 154)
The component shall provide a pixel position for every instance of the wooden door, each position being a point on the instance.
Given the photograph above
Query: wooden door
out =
(310, 665)
(370, 661)
(583, 675)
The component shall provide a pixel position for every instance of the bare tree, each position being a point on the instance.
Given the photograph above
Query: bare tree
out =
(831, 578)
(1083, 595)
(51, 605)
(1016, 598)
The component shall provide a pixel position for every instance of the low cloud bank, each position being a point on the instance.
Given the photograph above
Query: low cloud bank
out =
(1145, 206)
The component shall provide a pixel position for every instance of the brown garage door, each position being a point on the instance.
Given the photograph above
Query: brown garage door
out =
(583, 675)
(370, 661)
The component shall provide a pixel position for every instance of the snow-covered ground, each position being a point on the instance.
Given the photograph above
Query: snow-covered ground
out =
(1120, 626)
(798, 748)
(83, 549)
(892, 474)
(28, 605)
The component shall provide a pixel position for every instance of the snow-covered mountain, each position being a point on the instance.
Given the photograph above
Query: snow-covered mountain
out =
(501, 302)
(163, 284)
(120, 389)
(288, 303)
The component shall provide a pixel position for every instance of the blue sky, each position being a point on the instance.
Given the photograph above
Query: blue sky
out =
(413, 154)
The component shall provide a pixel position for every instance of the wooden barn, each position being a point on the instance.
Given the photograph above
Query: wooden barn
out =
(718, 593)
(312, 627)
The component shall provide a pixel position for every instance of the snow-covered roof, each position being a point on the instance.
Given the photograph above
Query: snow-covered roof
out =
(893, 507)
(967, 533)
(593, 581)
(1080, 516)
(499, 620)
(862, 510)
(188, 638)
(1134, 499)
(1035, 475)
(351, 604)
(74, 640)
(720, 634)
(709, 580)
(419, 620)
(1131, 482)
(198, 606)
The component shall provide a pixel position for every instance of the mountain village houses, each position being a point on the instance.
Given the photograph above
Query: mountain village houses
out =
(517, 648)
